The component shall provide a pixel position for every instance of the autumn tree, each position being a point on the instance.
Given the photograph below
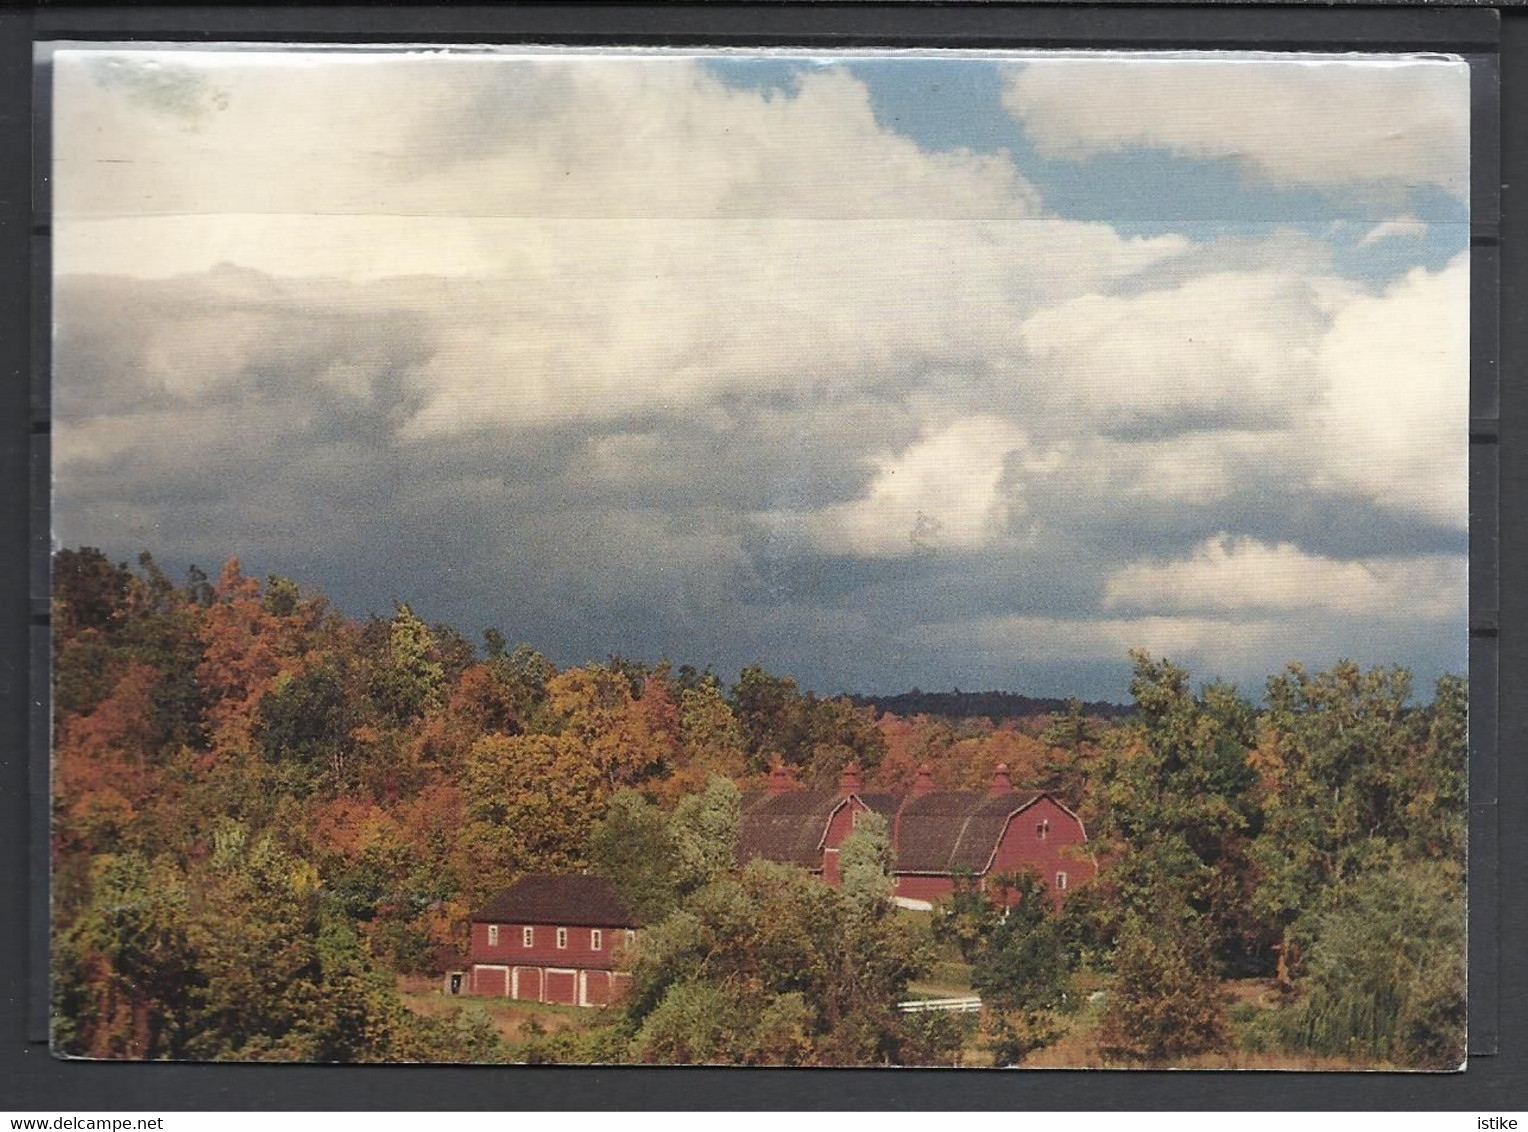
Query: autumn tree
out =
(626, 739)
(710, 739)
(248, 642)
(531, 800)
(1165, 1003)
(102, 766)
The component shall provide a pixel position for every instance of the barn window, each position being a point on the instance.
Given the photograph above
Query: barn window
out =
(527, 937)
(562, 938)
(1060, 882)
(493, 935)
(1042, 829)
(596, 939)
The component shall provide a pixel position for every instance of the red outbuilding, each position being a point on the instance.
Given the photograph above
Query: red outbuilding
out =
(938, 836)
(550, 938)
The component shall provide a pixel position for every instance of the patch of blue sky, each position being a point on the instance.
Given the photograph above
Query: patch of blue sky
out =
(950, 103)
(767, 74)
(1357, 255)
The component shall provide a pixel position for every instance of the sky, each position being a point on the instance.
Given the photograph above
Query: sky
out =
(882, 370)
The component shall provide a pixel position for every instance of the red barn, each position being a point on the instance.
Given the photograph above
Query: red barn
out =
(552, 939)
(938, 835)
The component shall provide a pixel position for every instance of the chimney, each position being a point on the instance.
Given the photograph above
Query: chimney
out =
(849, 781)
(780, 780)
(924, 783)
(1001, 782)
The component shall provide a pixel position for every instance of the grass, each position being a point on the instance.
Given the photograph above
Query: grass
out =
(510, 1017)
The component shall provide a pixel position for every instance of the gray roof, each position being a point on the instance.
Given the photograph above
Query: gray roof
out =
(786, 827)
(942, 832)
(949, 831)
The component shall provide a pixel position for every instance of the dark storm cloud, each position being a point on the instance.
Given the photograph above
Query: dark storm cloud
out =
(235, 414)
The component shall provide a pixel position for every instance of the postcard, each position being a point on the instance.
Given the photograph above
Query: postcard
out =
(864, 558)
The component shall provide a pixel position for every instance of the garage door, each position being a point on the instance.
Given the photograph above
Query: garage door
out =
(562, 986)
(526, 984)
(490, 980)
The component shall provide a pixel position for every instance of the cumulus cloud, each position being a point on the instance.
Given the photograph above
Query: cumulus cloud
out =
(651, 239)
(1218, 350)
(1395, 421)
(1292, 382)
(622, 358)
(1286, 122)
(946, 491)
(1229, 574)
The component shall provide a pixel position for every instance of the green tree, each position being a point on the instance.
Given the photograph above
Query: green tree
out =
(773, 715)
(1173, 808)
(1385, 963)
(866, 863)
(305, 722)
(409, 679)
(966, 919)
(1072, 737)
(285, 976)
(1020, 970)
(770, 964)
(704, 831)
(1336, 757)
(633, 845)
(710, 740)
(525, 673)
(125, 965)
(1436, 778)
(89, 592)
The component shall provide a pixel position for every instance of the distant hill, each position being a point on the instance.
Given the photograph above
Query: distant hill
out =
(996, 706)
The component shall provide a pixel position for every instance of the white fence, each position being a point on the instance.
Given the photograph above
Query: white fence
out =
(957, 1005)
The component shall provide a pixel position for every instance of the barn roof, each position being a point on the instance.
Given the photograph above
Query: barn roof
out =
(548, 898)
(939, 832)
(785, 827)
(947, 831)
(884, 804)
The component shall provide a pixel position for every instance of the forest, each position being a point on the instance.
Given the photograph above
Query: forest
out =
(271, 822)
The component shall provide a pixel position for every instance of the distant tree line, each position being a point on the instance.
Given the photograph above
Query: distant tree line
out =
(994, 706)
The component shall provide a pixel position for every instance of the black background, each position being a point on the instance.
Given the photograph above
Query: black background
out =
(32, 1080)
